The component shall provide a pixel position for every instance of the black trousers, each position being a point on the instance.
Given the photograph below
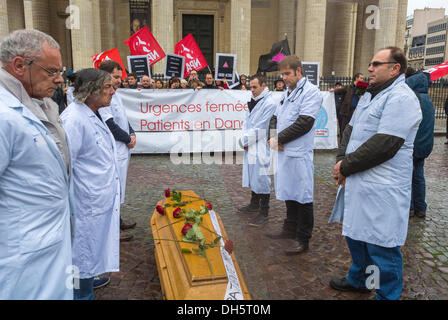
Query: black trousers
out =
(299, 219)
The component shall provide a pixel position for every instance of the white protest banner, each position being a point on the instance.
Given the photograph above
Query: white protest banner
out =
(185, 121)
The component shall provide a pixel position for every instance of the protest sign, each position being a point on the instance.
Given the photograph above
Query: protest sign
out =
(225, 66)
(175, 66)
(139, 65)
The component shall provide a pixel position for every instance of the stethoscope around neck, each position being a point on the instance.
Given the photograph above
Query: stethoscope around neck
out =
(298, 92)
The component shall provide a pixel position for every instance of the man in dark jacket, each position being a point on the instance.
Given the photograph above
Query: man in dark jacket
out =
(423, 143)
(349, 103)
(446, 113)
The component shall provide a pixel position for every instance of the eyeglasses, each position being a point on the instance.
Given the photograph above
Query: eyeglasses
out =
(51, 74)
(377, 63)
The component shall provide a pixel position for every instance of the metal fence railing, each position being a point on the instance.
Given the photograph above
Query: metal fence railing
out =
(438, 91)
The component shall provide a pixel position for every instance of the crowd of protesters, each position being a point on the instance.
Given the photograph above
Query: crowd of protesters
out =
(63, 170)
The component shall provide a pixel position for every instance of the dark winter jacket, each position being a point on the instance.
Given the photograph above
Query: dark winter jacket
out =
(424, 139)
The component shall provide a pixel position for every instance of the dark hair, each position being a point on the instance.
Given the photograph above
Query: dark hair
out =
(132, 75)
(87, 82)
(290, 62)
(338, 84)
(397, 55)
(277, 81)
(261, 79)
(110, 66)
(356, 76)
(410, 72)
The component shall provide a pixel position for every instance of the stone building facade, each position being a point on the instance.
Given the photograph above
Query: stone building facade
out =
(340, 34)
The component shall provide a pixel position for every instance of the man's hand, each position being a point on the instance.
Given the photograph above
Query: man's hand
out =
(337, 175)
(274, 145)
(131, 144)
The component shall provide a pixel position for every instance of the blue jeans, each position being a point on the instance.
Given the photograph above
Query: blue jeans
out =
(85, 291)
(389, 263)
(418, 186)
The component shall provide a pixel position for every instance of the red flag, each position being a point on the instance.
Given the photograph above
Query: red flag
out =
(112, 54)
(194, 59)
(144, 43)
(438, 71)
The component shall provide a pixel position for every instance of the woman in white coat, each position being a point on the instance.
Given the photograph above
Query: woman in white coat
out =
(96, 184)
(256, 150)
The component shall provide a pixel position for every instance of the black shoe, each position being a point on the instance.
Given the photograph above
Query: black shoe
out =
(248, 209)
(411, 213)
(342, 284)
(298, 248)
(259, 220)
(99, 282)
(420, 214)
(283, 234)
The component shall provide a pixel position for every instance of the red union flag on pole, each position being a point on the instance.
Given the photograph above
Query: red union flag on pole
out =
(194, 59)
(112, 54)
(438, 71)
(144, 43)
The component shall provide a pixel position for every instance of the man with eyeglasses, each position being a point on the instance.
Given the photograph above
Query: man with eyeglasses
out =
(374, 172)
(35, 245)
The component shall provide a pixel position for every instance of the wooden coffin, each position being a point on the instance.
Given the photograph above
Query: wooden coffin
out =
(187, 276)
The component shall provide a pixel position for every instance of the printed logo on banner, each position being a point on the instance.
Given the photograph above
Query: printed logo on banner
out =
(321, 123)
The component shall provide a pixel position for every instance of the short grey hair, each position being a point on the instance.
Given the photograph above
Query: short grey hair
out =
(88, 82)
(25, 43)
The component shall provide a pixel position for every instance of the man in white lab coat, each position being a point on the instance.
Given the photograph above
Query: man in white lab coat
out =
(374, 169)
(256, 150)
(35, 246)
(296, 115)
(96, 182)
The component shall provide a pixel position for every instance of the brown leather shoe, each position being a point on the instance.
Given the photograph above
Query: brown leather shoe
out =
(125, 226)
(298, 248)
(283, 234)
(125, 236)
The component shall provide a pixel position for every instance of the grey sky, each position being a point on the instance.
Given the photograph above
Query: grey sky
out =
(421, 4)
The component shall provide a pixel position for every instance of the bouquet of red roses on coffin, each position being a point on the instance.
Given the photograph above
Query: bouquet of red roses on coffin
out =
(191, 255)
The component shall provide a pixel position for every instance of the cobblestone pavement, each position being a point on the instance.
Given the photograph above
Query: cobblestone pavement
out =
(269, 274)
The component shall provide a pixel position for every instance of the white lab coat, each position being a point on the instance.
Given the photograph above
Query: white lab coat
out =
(35, 244)
(254, 135)
(374, 203)
(96, 188)
(117, 111)
(294, 173)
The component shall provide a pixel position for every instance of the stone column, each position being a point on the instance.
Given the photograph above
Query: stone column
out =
(4, 26)
(401, 23)
(107, 11)
(86, 41)
(286, 22)
(162, 16)
(15, 10)
(240, 33)
(300, 28)
(365, 42)
(344, 39)
(386, 35)
(315, 18)
(122, 28)
(36, 15)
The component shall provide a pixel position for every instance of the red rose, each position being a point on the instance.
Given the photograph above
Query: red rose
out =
(160, 210)
(186, 228)
(176, 213)
(167, 193)
(209, 206)
(228, 245)
(362, 85)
